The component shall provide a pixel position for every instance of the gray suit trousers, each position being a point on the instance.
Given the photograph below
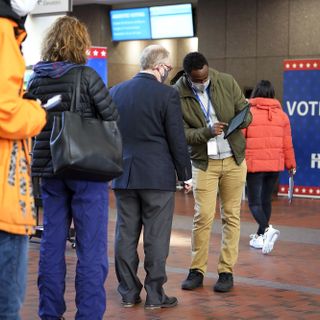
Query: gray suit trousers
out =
(150, 211)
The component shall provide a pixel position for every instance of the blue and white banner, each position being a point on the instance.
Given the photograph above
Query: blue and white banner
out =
(301, 101)
(98, 60)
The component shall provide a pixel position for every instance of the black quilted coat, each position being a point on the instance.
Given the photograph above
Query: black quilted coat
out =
(94, 101)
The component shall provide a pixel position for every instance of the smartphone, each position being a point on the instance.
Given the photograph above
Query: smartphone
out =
(53, 102)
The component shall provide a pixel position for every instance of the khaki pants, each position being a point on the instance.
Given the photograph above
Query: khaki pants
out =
(229, 178)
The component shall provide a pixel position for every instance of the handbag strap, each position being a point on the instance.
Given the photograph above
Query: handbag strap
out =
(75, 100)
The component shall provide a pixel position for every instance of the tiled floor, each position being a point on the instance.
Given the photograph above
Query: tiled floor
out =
(282, 285)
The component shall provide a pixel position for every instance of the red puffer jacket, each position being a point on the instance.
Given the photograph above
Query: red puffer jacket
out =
(268, 138)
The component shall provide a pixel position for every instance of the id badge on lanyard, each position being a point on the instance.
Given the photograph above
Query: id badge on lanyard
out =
(206, 112)
(212, 146)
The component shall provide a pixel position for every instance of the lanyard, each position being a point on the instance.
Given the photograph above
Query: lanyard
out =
(205, 112)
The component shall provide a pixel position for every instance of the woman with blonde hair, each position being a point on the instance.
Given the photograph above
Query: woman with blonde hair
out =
(83, 201)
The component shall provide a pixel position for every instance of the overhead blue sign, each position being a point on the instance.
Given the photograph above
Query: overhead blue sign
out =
(130, 24)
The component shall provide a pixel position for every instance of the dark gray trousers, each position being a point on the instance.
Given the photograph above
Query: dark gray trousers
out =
(152, 210)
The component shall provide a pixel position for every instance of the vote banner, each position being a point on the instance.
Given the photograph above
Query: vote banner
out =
(98, 60)
(301, 101)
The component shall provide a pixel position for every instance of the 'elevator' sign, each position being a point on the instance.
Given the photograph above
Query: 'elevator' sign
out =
(52, 6)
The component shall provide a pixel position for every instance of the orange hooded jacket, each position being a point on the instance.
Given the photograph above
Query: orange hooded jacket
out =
(268, 138)
(20, 119)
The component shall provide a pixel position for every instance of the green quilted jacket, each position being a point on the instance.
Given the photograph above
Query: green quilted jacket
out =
(228, 100)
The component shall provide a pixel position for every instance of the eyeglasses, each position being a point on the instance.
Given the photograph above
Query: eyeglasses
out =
(169, 68)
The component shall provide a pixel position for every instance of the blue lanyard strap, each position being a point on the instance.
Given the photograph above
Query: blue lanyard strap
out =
(205, 112)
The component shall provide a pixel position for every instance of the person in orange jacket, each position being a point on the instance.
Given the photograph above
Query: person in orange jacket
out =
(20, 119)
(269, 150)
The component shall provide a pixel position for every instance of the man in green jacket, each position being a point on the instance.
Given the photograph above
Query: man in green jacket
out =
(209, 100)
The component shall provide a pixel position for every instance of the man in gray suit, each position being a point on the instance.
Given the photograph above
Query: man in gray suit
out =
(155, 153)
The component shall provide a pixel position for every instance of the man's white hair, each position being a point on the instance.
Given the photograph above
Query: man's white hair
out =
(152, 56)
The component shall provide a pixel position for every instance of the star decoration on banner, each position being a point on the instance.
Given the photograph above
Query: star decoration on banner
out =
(301, 64)
(97, 52)
(299, 190)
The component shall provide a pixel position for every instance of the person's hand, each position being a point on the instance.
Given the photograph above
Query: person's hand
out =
(293, 171)
(28, 95)
(187, 186)
(218, 128)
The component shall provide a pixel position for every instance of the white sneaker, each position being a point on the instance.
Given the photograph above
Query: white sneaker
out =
(256, 241)
(270, 236)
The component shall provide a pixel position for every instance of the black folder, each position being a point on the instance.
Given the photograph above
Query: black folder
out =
(237, 121)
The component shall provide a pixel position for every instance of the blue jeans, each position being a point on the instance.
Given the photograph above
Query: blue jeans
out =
(260, 186)
(86, 203)
(13, 274)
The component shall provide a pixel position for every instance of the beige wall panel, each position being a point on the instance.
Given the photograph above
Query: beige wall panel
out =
(273, 28)
(218, 64)
(241, 28)
(121, 72)
(185, 46)
(211, 31)
(304, 33)
(126, 52)
(271, 69)
(243, 70)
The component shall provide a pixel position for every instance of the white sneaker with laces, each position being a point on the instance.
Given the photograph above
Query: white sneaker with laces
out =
(270, 236)
(256, 241)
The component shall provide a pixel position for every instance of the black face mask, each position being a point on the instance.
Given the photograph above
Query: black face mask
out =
(164, 77)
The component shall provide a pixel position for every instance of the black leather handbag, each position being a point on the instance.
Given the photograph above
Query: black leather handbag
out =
(85, 148)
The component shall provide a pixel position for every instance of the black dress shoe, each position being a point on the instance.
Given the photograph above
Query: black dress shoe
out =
(193, 281)
(169, 302)
(224, 283)
(130, 304)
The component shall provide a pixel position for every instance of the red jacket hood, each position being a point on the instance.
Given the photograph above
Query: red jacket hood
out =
(267, 104)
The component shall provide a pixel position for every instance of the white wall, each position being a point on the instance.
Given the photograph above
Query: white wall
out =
(36, 27)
